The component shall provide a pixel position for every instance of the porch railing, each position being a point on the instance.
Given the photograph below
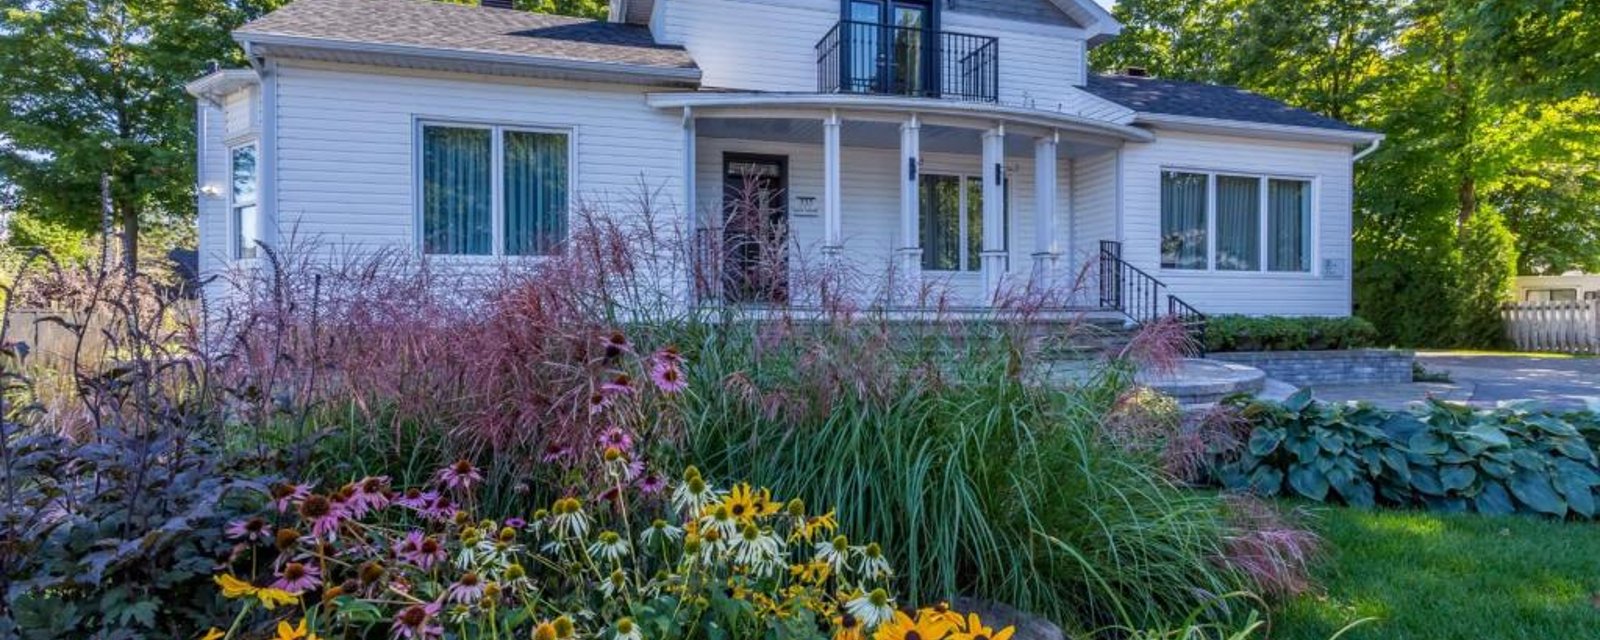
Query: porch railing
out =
(1144, 299)
(872, 58)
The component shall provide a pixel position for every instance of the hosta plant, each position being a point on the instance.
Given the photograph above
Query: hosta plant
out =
(1439, 455)
(627, 558)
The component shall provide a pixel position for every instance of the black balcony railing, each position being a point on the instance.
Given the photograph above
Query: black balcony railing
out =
(866, 57)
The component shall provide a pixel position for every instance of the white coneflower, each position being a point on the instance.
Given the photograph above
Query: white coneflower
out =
(834, 553)
(720, 519)
(609, 546)
(567, 519)
(660, 532)
(758, 550)
(693, 495)
(467, 557)
(627, 630)
(614, 584)
(872, 609)
(873, 565)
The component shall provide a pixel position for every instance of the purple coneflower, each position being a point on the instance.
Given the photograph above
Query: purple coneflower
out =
(461, 475)
(516, 523)
(667, 376)
(615, 344)
(652, 484)
(284, 495)
(441, 509)
(252, 530)
(616, 437)
(371, 494)
(556, 453)
(598, 402)
(620, 385)
(298, 577)
(418, 622)
(416, 499)
(420, 550)
(324, 515)
(468, 589)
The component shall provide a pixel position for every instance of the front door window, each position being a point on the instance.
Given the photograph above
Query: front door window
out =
(755, 231)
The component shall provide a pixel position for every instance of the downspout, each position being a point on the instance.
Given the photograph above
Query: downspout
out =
(1367, 151)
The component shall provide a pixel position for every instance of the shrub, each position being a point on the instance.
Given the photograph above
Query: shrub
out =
(990, 483)
(1278, 333)
(1441, 456)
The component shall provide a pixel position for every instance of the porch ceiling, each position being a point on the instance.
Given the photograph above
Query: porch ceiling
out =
(881, 135)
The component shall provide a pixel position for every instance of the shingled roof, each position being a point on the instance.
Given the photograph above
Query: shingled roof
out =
(441, 26)
(1198, 100)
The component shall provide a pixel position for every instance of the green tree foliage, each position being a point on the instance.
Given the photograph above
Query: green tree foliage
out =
(95, 87)
(1489, 168)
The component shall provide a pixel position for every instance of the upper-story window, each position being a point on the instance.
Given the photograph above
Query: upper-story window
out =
(493, 190)
(1235, 222)
(895, 47)
(242, 211)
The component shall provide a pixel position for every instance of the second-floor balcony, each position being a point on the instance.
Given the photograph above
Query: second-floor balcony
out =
(882, 59)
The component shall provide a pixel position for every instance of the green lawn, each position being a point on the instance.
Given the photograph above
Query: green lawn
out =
(1438, 577)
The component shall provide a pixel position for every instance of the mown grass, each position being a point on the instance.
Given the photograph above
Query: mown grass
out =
(1439, 577)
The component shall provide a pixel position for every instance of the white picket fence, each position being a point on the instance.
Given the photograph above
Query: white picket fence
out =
(1566, 327)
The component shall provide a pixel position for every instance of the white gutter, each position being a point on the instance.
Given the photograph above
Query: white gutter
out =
(1367, 151)
(893, 104)
(676, 75)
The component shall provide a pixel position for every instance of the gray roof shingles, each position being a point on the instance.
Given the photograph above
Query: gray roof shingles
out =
(1194, 99)
(438, 25)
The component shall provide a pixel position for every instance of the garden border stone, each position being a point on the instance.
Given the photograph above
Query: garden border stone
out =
(1310, 368)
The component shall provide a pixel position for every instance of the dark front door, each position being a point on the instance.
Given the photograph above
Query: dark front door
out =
(889, 47)
(755, 231)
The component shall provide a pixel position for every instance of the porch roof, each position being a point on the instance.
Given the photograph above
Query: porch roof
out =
(771, 104)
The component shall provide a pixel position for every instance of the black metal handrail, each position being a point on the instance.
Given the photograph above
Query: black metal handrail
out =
(872, 58)
(1138, 295)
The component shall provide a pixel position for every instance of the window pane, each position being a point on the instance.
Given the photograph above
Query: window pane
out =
(244, 175)
(1183, 220)
(941, 223)
(244, 223)
(974, 224)
(456, 191)
(1288, 225)
(535, 192)
(1238, 223)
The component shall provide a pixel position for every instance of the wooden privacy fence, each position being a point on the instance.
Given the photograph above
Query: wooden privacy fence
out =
(1566, 327)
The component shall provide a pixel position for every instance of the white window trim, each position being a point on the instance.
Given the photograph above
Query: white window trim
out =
(1315, 184)
(235, 228)
(497, 218)
(964, 177)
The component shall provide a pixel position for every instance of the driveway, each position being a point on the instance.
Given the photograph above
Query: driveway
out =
(1566, 384)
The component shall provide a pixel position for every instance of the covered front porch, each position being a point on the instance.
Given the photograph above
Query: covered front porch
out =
(898, 203)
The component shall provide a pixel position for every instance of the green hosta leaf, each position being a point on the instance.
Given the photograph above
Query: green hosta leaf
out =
(1426, 480)
(1428, 443)
(1494, 468)
(1457, 477)
(1470, 447)
(1577, 472)
(1395, 460)
(1494, 500)
(1526, 459)
(1308, 482)
(1264, 441)
(1534, 490)
(1402, 426)
(1575, 448)
(1373, 460)
(1305, 449)
(1357, 492)
(1578, 494)
(1490, 434)
(1333, 444)
(1299, 401)
(1550, 424)
(1266, 481)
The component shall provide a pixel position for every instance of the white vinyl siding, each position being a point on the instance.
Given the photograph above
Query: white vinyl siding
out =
(347, 134)
(1327, 166)
(1094, 203)
(212, 177)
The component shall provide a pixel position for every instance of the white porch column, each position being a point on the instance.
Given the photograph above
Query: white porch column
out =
(832, 202)
(910, 251)
(994, 243)
(1046, 249)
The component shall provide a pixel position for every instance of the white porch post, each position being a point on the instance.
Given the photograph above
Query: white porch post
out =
(994, 243)
(1046, 249)
(832, 202)
(910, 251)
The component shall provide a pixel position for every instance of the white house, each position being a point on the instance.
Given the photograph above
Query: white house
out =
(958, 141)
(1571, 286)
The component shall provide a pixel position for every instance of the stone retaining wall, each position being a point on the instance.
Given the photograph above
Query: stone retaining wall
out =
(1310, 368)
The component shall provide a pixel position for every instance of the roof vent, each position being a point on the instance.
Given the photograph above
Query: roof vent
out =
(496, 4)
(1132, 72)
